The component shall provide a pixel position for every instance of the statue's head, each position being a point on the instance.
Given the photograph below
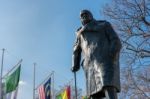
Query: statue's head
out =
(85, 17)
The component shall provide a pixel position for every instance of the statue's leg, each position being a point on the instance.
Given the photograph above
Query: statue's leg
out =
(110, 93)
(97, 96)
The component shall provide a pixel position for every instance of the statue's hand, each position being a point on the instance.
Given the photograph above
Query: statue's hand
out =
(86, 28)
(75, 68)
(82, 29)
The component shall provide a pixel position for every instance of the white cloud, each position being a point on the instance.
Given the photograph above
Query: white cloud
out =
(22, 83)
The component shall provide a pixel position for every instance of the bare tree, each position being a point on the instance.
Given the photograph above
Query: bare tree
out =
(135, 85)
(131, 19)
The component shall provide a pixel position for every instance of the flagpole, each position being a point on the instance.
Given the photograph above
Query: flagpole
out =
(75, 80)
(71, 87)
(34, 80)
(53, 86)
(2, 62)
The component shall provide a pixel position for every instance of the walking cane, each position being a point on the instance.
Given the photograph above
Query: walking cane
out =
(75, 84)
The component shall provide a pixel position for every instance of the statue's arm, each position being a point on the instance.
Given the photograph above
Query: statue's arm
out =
(115, 43)
(76, 57)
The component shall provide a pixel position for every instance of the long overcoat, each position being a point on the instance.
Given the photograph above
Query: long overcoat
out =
(99, 47)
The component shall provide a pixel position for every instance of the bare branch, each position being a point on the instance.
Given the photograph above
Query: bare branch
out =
(131, 19)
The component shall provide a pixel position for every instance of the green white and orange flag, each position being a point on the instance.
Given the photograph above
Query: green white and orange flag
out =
(11, 84)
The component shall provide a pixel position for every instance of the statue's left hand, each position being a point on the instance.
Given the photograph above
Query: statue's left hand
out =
(86, 28)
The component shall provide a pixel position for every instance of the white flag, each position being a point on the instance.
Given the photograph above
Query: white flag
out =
(12, 95)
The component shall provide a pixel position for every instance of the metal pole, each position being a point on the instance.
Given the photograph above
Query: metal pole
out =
(34, 81)
(53, 87)
(2, 62)
(71, 86)
(75, 85)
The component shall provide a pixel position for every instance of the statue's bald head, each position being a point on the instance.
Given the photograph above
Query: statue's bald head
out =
(86, 16)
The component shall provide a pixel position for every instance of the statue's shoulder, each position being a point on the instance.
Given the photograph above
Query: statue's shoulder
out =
(102, 22)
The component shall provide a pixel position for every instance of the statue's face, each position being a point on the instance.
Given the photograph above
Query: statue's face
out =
(85, 18)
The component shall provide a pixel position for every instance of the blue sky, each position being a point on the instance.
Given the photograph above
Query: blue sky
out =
(42, 31)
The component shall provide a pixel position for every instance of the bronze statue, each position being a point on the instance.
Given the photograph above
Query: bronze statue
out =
(99, 46)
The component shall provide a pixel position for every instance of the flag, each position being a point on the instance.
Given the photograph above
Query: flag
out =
(11, 95)
(65, 94)
(68, 91)
(12, 80)
(59, 96)
(11, 84)
(84, 97)
(41, 92)
(47, 89)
